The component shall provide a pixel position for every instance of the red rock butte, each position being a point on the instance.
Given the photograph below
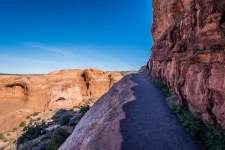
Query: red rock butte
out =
(188, 54)
(22, 95)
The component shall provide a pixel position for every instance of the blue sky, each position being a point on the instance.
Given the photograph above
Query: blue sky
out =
(39, 36)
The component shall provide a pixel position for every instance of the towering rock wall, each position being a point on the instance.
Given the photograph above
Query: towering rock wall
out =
(189, 53)
(26, 94)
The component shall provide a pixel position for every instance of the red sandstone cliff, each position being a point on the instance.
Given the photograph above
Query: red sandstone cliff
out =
(189, 53)
(26, 94)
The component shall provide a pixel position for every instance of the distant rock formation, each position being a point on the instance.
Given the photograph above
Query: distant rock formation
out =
(21, 95)
(188, 54)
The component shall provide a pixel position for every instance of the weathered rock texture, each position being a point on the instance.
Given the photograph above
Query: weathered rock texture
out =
(189, 53)
(100, 127)
(23, 95)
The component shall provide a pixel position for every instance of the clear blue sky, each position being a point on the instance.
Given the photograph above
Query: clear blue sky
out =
(39, 36)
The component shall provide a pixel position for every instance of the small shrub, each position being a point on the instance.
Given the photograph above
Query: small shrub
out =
(84, 110)
(167, 92)
(77, 107)
(31, 120)
(8, 134)
(58, 137)
(65, 120)
(22, 124)
(163, 87)
(159, 84)
(44, 121)
(178, 109)
(11, 141)
(212, 138)
(15, 129)
(38, 119)
(35, 114)
(31, 132)
(2, 137)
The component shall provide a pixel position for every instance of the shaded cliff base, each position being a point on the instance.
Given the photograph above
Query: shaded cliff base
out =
(209, 136)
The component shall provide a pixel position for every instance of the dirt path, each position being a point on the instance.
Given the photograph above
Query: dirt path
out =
(149, 123)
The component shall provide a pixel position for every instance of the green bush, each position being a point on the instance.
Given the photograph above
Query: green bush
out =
(65, 120)
(163, 87)
(167, 92)
(22, 124)
(84, 110)
(31, 132)
(44, 121)
(159, 84)
(58, 137)
(212, 138)
(2, 137)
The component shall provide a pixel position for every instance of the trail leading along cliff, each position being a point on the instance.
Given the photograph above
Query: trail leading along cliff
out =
(132, 115)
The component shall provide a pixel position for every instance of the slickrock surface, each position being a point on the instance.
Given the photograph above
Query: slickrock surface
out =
(132, 115)
(21, 95)
(188, 53)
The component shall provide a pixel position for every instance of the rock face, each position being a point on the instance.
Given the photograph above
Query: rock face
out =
(26, 94)
(101, 123)
(189, 54)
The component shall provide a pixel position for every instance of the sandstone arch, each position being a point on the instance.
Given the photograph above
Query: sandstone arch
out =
(23, 86)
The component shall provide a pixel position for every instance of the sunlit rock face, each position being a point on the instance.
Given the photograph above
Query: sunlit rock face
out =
(100, 127)
(22, 95)
(188, 53)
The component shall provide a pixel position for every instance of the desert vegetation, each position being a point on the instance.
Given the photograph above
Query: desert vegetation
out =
(58, 137)
(159, 83)
(84, 110)
(22, 124)
(1, 136)
(65, 119)
(211, 137)
(31, 132)
(43, 131)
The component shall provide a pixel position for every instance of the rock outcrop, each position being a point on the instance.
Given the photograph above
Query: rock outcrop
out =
(189, 54)
(21, 95)
(100, 127)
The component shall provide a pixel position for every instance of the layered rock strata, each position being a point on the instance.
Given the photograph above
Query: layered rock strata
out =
(21, 95)
(189, 54)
